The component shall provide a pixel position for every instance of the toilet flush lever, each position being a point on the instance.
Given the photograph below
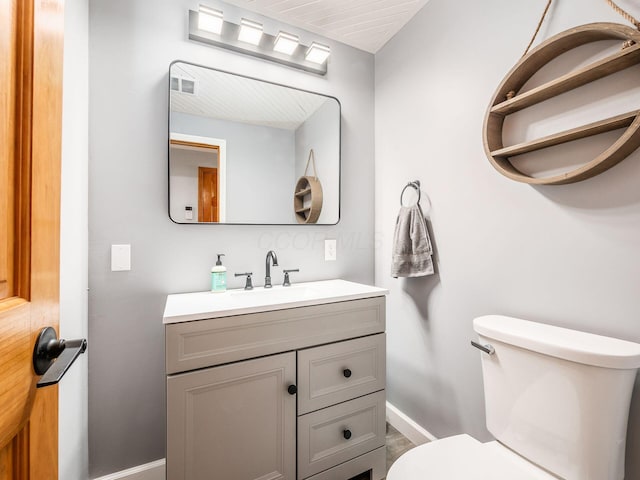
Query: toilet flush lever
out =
(488, 349)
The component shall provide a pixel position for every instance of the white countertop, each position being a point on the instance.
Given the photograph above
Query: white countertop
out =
(185, 307)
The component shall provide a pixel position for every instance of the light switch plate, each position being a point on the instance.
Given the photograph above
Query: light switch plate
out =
(120, 258)
(330, 249)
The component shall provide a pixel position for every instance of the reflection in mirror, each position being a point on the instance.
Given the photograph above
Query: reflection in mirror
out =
(239, 147)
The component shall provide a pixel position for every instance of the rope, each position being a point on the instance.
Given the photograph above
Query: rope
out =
(544, 14)
(512, 93)
(312, 158)
(627, 16)
(630, 18)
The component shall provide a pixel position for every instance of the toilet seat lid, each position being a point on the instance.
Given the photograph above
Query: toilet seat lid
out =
(464, 458)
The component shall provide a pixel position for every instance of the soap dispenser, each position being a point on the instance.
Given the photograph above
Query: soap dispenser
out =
(219, 276)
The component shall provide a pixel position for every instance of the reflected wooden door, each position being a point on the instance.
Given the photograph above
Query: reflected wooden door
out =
(31, 46)
(208, 199)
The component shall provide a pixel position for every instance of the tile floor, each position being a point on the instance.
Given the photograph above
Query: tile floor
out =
(397, 444)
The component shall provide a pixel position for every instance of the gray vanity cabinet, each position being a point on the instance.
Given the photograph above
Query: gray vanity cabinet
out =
(234, 421)
(289, 394)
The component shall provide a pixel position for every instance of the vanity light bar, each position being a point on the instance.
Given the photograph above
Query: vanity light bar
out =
(250, 39)
(250, 32)
(209, 19)
(286, 43)
(318, 53)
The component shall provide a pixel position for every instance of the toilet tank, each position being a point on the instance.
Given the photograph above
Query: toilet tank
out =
(558, 397)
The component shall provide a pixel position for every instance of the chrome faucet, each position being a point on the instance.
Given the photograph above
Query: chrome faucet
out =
(271, 255)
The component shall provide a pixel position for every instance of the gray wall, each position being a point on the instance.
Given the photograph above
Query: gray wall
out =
(131, 47)
(260, 167)
(72, 412)
(566, 255)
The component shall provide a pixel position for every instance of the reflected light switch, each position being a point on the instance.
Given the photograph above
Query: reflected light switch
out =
(120, 258)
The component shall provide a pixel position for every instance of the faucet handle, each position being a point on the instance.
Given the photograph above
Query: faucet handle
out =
(287, 282)
(248, 285)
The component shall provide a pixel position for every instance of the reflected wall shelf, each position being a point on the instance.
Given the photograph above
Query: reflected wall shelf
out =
(307, 198)
(309, 189)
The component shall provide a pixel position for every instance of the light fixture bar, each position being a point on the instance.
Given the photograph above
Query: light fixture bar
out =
(228, 39)
(250, 32)
(286, 43)
(317, 53)
(210, 19)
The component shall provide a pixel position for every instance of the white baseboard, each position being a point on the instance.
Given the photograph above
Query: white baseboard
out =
(400, 421)
(407, 427)
(148, 471)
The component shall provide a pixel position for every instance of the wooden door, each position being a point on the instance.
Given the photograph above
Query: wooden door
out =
(236, 420)
(31, 45)
(208, 199)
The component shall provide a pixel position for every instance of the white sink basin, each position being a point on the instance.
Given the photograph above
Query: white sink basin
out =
(185, 307)
(277, 293)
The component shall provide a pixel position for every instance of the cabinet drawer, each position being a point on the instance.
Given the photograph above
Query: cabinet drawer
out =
(340, 371)
(205, 343)
(375, 461)
(322, 441)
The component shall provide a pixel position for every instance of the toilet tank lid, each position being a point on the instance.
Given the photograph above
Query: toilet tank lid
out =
(572, 345)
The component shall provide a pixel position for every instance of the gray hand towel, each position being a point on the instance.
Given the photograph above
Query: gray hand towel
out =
(411, 244)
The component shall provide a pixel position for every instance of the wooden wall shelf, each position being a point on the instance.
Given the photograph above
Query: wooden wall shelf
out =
(307, 188)
(608, 66)
(501, 106)
(613, 123)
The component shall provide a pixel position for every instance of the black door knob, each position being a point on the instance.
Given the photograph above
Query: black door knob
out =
(346, 434)
(346, 372)
(292, 389)
(52, 356)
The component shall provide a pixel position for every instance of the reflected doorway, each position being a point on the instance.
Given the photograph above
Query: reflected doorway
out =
(199, 183)
(208, 198)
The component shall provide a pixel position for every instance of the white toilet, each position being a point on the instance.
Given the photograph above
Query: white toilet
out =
(557, 402)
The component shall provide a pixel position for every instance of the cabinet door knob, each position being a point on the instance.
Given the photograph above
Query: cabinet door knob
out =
(346, 434)
(292, 389)
(346, 372)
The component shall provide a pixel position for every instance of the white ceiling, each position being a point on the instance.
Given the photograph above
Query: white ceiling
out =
(364, 24)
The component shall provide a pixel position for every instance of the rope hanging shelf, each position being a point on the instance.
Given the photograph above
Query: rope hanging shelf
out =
(507, 100)
(307, 199)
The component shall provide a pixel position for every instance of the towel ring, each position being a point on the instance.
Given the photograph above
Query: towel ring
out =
(416, 185)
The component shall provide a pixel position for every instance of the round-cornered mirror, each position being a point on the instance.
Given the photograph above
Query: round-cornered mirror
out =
(238, 145)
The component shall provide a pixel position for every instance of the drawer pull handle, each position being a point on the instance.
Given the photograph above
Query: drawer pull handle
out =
(346, 372)
(292, 389)
(346, 434)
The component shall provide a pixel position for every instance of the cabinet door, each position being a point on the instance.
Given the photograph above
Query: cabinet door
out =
(234, 421)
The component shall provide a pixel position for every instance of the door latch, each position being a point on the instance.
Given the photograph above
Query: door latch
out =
(52, 357)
